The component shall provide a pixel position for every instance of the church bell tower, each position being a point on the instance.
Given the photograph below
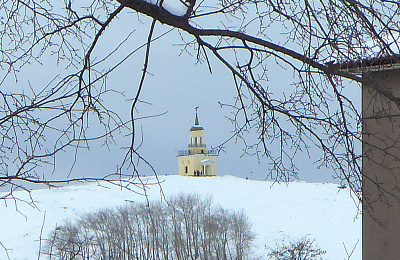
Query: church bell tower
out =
(197, 160)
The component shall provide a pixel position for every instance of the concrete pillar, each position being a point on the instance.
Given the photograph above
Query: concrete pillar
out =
(381, 168)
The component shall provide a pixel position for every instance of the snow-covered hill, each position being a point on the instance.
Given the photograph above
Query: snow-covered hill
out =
(278, 212)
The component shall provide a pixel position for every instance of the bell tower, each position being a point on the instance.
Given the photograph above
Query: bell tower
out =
(197, 140)
(196, 160)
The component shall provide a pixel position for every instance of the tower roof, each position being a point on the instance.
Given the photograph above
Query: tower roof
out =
(196, 126)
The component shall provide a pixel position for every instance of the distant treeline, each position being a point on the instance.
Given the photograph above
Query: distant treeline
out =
(188, 227)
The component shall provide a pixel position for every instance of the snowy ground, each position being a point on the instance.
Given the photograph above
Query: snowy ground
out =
(277, 212)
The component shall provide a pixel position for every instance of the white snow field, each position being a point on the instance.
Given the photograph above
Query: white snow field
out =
(278, 212)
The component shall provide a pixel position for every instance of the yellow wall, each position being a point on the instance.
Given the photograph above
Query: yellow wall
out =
(193, 162)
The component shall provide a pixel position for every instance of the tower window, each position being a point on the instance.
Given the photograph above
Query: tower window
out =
(202, 151)
(186, 169)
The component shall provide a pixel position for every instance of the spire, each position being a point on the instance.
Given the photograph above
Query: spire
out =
(196, 126)
(196, 120)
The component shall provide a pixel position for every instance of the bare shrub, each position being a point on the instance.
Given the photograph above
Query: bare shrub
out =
(302, 249)
(187, 228)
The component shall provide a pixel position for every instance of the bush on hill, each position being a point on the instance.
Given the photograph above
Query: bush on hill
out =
(302, 249)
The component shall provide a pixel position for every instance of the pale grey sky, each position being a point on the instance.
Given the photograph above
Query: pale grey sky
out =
(175, 84)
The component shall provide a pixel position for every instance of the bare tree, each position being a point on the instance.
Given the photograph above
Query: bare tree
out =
(67, 114)
(187, 228)
(251, 38)
(302, 249)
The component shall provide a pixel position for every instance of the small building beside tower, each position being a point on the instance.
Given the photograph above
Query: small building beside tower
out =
(197, 160)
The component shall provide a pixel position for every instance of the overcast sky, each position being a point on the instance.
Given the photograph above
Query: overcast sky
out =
(175, 85)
